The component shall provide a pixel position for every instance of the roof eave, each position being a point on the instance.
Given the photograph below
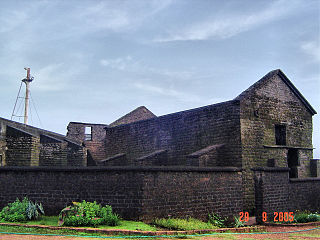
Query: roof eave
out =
(296, 92)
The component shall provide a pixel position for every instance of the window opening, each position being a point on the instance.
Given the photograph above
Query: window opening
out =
(293, 162)
(88, 134)
(280, 133)
(271, 162)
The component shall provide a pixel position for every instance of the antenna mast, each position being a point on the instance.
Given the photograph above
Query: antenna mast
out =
(27, 81)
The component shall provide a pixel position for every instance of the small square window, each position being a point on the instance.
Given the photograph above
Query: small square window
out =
(271, 162)
(88, 134)
(280, 134)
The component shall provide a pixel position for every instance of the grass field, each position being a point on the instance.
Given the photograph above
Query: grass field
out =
(128, 225)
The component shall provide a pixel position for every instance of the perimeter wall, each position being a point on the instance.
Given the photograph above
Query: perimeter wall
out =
(134, 192)
(275, 192)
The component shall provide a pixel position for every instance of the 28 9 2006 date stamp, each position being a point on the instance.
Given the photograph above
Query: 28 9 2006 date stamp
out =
(277, 216)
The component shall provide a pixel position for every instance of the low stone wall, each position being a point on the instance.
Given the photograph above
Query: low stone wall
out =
(275, 192)
(133, 192)
(305, 194)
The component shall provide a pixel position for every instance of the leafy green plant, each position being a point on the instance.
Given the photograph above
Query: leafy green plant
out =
(88, 214)
(237, 222)
(313, 217)
(304, 217)
(21, 211)
(216, 220)
(34, 210)
(182, 224)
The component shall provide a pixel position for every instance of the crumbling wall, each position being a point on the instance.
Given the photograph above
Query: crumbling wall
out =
(76, 132)
(180, 134)
(23, 145)
(53, 152)
(22, 148)
(76, 155)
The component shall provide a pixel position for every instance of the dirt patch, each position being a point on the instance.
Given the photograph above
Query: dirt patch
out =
(297, 233)
(294, 233)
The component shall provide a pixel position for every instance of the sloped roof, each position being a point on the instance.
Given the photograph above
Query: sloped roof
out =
(140, 113)
(286, 80)
(34, 131)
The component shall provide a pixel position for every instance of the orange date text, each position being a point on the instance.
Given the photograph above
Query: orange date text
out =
(277, 216)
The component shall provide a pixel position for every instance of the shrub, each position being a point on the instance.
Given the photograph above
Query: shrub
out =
(88, 214)
(305, 217)
(21, 211)
(227, 222)
(313, 217)
(216, 220)
(182, 224)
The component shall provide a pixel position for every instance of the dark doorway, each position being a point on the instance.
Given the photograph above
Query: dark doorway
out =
(280, 132)
(293, 162)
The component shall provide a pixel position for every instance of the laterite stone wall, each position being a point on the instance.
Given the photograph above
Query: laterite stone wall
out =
(133, 192)
(181, 133)
(305, 194)
(76, 132)
(271, 102)
(275, 192)
(22, 148)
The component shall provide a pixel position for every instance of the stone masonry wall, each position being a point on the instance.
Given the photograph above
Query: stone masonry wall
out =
(76, 132)
(24, 145)
(133, 192)
(53, 154)
(271, 191)
(22, 148)
(271, 102)
(76, 155)
(193, 194)
(3, 144)
(305, 194)
(275, 192)
(180, 134)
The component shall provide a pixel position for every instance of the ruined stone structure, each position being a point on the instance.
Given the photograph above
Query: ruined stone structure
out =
(24, 145)
(269, 124)
(241, 145)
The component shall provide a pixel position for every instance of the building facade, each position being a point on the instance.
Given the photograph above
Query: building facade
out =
(268, 125)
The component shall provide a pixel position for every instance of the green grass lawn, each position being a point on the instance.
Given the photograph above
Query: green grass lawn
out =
(127, 225)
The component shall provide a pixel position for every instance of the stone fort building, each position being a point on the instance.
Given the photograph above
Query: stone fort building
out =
(268, 125)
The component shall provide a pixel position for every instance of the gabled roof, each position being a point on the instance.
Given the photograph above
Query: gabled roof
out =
(286, 80)
(140, 113)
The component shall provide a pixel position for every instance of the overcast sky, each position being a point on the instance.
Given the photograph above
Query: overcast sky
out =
(94, 61)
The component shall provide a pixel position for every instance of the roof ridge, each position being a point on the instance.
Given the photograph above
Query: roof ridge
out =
(130, 113)
(286, 80)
